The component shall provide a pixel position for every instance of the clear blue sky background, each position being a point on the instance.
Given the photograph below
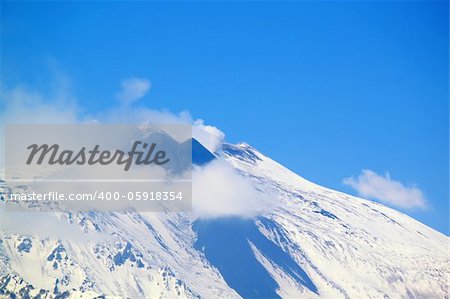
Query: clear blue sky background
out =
(325, 88)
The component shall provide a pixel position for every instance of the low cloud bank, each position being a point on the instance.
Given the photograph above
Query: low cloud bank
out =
(384, 189)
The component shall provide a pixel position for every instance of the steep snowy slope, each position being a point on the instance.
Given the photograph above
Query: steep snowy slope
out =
(313, 242)
(350, 247)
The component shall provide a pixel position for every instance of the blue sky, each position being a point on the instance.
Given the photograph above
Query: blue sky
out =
(326, 88)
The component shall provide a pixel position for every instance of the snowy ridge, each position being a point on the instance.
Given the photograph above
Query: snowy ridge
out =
(353, 245)
(314, 243)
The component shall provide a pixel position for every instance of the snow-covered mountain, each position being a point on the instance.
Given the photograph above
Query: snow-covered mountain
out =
(314, 242)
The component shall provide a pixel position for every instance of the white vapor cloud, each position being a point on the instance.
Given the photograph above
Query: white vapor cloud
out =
(383, 188)
(210, 136)
(220, 191)
(133, 89)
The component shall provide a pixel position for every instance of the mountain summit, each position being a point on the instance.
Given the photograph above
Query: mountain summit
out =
(313, 243)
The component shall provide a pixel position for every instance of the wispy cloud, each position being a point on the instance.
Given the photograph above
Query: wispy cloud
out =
(22, 104)
(384, 189)
(133, 89)
(45, 225)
